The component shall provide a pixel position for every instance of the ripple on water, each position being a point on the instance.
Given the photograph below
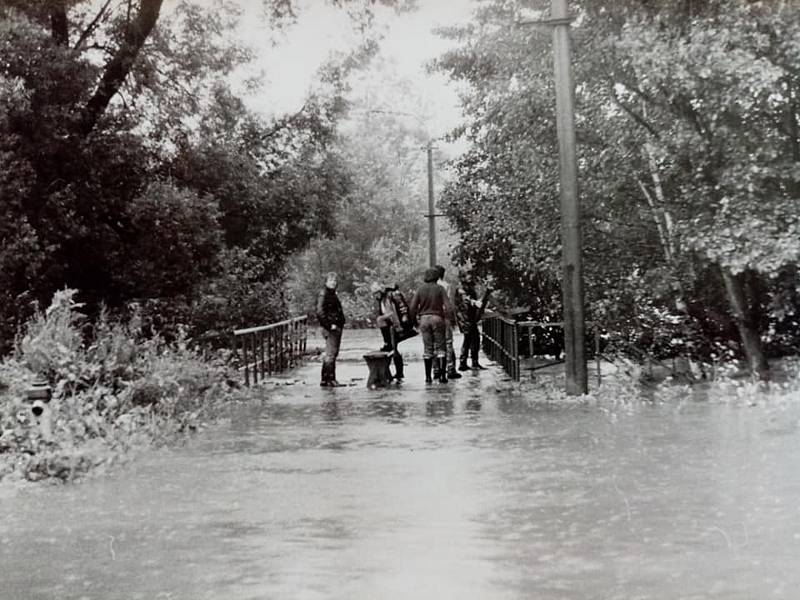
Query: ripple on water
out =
(445, 493)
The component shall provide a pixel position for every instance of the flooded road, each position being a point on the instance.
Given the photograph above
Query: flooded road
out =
(457, 491)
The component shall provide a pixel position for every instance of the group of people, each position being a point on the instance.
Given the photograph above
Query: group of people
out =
(433, 310)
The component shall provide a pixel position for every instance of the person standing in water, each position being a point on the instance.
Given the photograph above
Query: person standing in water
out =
(468, 314)
(448, 329)
(331, 319)
(394, 322)
(430, 307)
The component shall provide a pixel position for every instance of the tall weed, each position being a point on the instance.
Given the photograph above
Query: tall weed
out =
(112, 391)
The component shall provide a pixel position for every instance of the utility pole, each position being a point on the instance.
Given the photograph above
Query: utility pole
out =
(431, 208)
(572, 278)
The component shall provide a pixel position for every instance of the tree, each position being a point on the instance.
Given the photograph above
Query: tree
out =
(380, 232)
(121, 136)
(685, 125)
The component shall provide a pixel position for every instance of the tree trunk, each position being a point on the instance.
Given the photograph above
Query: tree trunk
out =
(751, 340)
(59, 25)
(120, 65)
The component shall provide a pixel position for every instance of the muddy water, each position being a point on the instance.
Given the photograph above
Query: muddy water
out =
(458, 491)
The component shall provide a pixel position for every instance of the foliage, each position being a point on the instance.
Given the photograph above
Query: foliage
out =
(244, 291)
(122, 142)
(380, 233)
(53, 345)
(112, 392)
(687, 131)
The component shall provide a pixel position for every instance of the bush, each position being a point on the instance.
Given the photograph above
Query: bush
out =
(112, 391)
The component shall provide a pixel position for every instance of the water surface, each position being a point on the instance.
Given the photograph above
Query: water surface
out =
(458, 491)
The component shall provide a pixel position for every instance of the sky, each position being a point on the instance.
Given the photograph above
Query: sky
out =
(408, 43)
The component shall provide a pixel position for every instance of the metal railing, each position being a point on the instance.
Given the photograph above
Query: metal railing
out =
(270, 348)
(501, 343)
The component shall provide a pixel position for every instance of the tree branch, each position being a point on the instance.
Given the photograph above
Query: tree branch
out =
(180, 87)
(120, 65)
(634, 115)
(91, 27)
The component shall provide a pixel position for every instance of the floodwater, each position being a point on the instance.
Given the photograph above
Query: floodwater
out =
(460, 491)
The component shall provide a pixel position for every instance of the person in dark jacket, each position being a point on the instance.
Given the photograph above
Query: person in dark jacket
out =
(331, 318)
(468, 311)
(430, 307)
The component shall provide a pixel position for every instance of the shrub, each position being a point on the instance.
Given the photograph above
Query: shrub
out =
(53, 345)
(112, 392)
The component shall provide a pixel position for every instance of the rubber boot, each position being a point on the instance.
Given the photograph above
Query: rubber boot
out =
(476, 366)
(428, 366)
(462, 364)
(451, 371)
(387, 339)
(442, 369)
(398, 368)
(325, 378)
(333, 382)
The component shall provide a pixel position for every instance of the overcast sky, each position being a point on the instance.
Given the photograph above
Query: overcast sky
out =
(408, 42)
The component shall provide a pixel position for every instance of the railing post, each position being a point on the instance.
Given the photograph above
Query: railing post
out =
(507, 341)
(251, 338)
(270, 352)
(597, 354)
(262, 365)
(234, 342)
(291, 335)
(254, 341)
(282, 343)
(507, 333)
(246, 364)
(295, 342)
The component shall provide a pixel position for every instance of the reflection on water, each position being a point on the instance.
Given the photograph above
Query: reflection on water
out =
(440, 491)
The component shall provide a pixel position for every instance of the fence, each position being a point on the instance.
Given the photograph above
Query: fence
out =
(270, 348)
(502, 337)
(501, 344)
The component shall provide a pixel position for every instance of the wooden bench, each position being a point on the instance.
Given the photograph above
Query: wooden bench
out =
(378, 363)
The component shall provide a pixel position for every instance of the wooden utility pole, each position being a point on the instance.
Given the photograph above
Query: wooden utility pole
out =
(431, 209)
(572, 281)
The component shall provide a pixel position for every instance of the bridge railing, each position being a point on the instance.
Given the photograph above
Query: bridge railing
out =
(262, 351)
(501, 344)
(502, 339)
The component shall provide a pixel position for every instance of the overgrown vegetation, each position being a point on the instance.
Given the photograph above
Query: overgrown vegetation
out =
(131, 168)
(113, 390)
(688, 122)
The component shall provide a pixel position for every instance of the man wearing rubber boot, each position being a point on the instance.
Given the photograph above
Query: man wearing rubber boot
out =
(331, 319)
(430, 307)
(448, 333)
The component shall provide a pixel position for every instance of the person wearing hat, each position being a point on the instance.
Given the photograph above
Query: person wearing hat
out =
(430, 306)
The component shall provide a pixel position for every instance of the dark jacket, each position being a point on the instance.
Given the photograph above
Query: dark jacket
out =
(466, 311)
(329, 309)
(400, 312)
